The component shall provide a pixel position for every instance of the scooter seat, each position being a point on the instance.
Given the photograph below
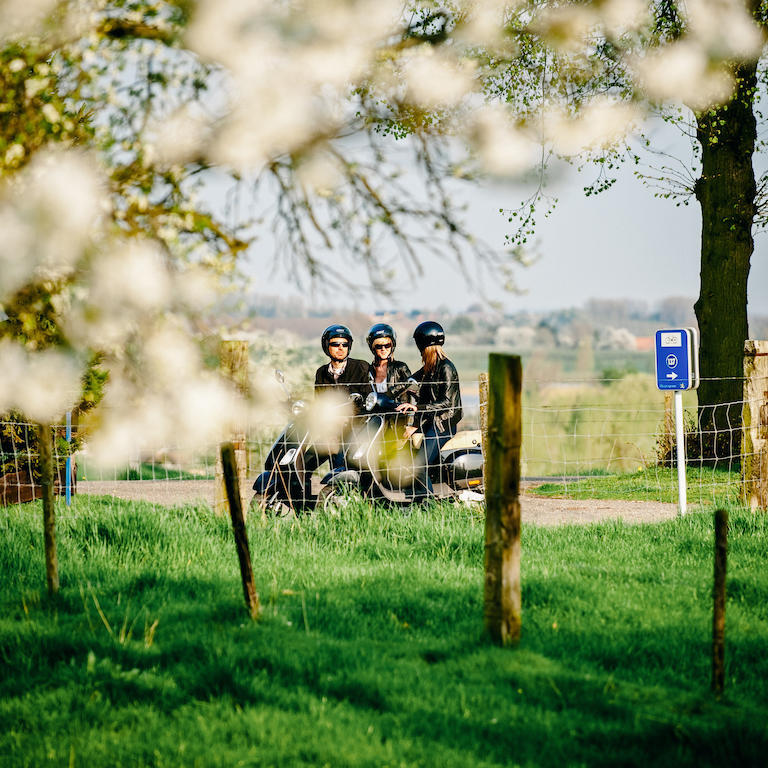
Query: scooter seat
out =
(463, 441)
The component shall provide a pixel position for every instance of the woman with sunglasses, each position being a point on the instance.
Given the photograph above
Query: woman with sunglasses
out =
(385, 373)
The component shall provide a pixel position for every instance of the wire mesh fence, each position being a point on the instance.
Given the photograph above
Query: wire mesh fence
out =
(581, 439)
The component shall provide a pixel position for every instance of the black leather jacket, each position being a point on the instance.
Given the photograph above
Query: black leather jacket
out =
(398, 374)
(439, 398)
(353, 380)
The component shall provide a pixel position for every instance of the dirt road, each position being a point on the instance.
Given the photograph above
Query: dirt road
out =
(535, 509)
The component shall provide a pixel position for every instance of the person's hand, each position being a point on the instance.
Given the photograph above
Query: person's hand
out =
(408, 431)
(406, 407)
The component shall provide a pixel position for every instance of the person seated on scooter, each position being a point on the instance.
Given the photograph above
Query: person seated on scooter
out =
(385, 373)
(438, 404)
(342, 374)
(388, 375)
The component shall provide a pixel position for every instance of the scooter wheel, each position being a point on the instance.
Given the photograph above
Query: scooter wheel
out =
(272, 506)
(328, 498)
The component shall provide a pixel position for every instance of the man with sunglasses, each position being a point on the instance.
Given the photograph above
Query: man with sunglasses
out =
(343, 371)
(344, 374)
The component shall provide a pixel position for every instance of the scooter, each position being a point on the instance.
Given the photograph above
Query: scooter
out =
(381, 466)
(285, 484)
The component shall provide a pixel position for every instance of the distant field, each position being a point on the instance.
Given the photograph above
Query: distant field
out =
(553, 364)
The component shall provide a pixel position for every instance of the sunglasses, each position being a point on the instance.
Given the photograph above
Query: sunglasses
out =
(339, 344)
(383, 346)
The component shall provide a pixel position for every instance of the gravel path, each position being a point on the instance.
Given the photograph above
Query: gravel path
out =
(535, 509)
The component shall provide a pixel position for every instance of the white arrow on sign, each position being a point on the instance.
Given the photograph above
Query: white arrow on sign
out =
(672, 375)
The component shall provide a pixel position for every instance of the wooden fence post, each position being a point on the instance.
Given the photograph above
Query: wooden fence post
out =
(45, 442)
(234, 365)
(502, 602)
(229, 464)
(754, 438)
(483, 394)
(718, 613)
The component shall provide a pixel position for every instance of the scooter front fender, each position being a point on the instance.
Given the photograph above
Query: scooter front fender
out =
(349, 477)
(264, 482)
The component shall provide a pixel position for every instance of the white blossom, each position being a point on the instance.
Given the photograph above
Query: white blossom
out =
(47, 218)
(601, 124)
(503, 148)
(181, 136)
(433, 79)
(42, 385)
(23, 18)
(682, 72)
(723, 28)
(50, 113)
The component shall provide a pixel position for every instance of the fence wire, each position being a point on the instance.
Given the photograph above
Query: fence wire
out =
(581, 439)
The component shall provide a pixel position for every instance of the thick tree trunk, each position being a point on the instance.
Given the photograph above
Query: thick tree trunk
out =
(726, 192)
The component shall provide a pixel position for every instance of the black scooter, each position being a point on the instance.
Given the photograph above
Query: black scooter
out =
(380, 465)
(285, 484)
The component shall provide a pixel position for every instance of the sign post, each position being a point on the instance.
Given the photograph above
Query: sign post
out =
(677, 368)
(68, 467)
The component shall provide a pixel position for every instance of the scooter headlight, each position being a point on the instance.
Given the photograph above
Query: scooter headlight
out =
(370, 401)
(298, 407)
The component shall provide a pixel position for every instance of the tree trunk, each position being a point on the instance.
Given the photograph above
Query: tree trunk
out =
(726, 192)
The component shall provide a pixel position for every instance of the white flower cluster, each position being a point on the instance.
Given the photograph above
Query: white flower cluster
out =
(291, 66)
(23, 18)
(161, 395)
(289, 71)
(49, 213)
(42, 385)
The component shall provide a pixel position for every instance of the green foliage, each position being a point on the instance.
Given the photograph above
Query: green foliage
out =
(20, 446)
(370, 650)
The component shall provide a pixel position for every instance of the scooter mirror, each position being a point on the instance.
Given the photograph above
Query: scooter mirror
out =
(280, 376)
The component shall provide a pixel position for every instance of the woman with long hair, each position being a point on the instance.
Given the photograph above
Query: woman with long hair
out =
(438, 404)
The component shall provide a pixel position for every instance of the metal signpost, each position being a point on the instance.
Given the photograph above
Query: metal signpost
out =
(68, 468)
(677, 368)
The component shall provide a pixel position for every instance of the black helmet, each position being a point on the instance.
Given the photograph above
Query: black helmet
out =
(381, 331)
(428, 333)
(333, 332)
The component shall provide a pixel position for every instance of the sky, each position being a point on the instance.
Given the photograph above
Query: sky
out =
(622, 243)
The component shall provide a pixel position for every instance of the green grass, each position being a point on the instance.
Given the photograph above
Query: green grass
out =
(704, 486)
(144, 471)
(370, 651)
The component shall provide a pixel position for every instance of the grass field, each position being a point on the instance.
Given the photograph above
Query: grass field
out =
(704, 486)
(142, 471)
(370, 651)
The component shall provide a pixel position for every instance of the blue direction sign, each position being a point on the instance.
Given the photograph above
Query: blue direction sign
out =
(677, 359)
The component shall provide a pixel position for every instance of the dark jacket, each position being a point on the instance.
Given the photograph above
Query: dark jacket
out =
(354, 379)
(398, 374)
(439, 398)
